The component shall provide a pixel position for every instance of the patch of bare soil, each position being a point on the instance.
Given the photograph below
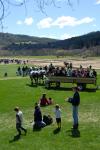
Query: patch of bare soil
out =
(95, 63)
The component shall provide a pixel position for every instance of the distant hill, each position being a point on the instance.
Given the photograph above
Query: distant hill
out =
(87, 40)
(12, 44)
(7, 39)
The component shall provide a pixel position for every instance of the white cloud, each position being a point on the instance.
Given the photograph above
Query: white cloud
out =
(61, 37)
(45, 23)
(71, 21)
(66, 36)
(94, 25)
(19, 1)
(19, 22)
(63, 21)
(27, 21)
(97, 2)
(85, 20)
(50, 36)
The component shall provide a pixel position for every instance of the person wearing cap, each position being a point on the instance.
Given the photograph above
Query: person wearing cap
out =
(58, 115)
(75, 101)
(19, 120)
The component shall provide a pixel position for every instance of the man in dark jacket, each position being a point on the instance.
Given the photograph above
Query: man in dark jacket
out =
(37, 114)
(75, 101)
(38, 123)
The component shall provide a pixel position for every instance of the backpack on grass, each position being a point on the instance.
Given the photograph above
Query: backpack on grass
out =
(47, 119)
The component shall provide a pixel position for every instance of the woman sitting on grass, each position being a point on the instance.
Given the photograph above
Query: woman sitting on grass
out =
(44, 101)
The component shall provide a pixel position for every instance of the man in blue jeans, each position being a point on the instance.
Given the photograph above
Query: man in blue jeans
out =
(75, 101)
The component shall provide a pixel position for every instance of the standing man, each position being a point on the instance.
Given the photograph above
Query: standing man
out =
(75, 101)
(19, 120)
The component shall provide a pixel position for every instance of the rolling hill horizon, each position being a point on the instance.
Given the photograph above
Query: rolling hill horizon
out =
(15, 44)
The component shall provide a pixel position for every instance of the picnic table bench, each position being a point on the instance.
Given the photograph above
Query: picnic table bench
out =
(80, 81)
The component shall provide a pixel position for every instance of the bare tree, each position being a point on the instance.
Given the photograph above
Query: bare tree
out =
(41, 5)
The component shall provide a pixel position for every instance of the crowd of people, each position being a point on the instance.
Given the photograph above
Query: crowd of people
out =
(67, 71)
(22, 71)
(11, 61)
(26, 70)
(41, 121)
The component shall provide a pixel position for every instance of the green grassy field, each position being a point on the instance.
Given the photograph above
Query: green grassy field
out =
(18, 92)
(68, 57)
(30, 57)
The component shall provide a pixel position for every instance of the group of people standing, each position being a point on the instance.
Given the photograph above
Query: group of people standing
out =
(41, 121)
(22, 71)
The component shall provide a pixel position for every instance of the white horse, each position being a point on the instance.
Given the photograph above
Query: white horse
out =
(37, 76)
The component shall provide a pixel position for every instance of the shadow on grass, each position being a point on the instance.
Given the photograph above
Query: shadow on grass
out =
(60, 89)
(75, 133)
(15, 138)
(56, 131)
(70, 89)
(90, 90)
(37, 129)
(30, 85)
(34, 85)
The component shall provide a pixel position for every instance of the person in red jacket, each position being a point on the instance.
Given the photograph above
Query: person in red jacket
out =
(44, 100)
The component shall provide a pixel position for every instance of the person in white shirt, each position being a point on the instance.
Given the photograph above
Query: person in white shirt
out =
(19, 120)
(58, 116)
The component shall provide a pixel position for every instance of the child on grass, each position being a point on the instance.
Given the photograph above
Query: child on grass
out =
(58, 115)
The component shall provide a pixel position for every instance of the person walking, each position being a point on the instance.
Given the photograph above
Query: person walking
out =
(75, 101)
(19, 120)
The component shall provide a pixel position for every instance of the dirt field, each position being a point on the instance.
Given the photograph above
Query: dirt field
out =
(76, 61)
(95, 63)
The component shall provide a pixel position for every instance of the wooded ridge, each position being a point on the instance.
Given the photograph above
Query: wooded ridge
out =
(24, 44)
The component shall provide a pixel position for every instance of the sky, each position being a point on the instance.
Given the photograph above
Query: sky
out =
(55, 20)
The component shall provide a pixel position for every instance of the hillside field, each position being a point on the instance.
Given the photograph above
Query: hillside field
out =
(18, 92)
